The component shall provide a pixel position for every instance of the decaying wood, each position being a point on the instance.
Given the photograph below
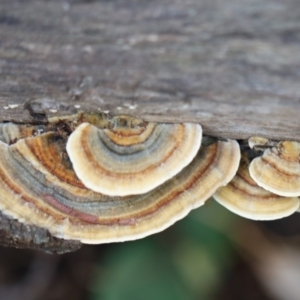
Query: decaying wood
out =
(15, 234)
(232, 66)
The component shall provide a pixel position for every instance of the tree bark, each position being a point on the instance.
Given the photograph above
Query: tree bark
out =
(233, 66)
(18, 235)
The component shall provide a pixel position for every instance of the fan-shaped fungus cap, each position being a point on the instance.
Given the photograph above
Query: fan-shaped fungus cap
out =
(132, 157)
(245, 198)
(38, 186)
(278, 169)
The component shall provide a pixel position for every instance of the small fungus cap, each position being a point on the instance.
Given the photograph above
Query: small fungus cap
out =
(245, 198)
(132, 157)
(278, 169)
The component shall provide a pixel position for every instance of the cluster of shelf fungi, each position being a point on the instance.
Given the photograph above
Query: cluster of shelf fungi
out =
(98, 178)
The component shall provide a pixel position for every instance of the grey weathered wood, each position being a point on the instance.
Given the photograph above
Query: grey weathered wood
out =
(15, 234)
(233, 66)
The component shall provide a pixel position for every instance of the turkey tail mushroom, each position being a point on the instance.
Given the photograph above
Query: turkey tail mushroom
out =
(278, 169)
(245, 198)
(38, 186)
(132, 157)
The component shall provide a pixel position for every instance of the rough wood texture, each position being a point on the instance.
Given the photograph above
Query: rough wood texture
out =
(15, 234)
(233, 66)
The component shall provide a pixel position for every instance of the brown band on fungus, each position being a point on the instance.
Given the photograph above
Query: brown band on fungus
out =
(278, 169)
(130, 137)
(50, 151)
(120, 134)
(131, 165)
(245, 198)
(94, 218)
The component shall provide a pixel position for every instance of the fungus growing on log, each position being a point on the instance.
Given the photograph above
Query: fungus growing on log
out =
(278, 169)
(38, 186)
(132, 157)
(245, 198)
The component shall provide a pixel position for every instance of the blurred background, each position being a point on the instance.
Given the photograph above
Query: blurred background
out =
(211, 254)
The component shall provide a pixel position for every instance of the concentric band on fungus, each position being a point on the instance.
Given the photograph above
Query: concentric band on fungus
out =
(38, 186)
(131, 158)
(245, 198)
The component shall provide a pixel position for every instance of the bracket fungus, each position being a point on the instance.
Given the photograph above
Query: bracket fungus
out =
(38, 186)
(244, 197)
(278, 169)
(131, 156)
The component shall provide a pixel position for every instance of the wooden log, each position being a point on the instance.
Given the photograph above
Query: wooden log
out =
(18, 235)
